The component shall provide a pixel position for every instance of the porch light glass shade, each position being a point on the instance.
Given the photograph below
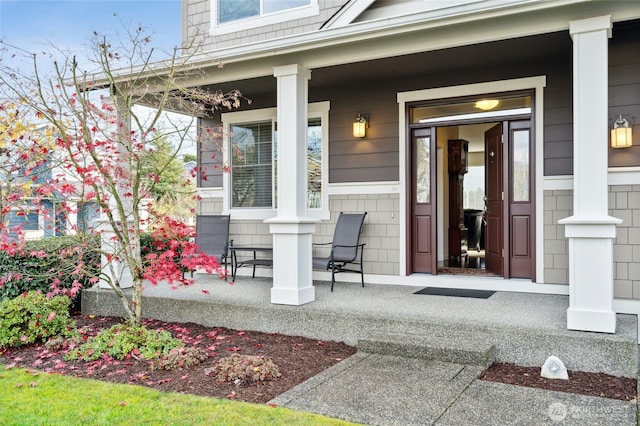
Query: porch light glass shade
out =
(359, 126)
(621, 135)
(487, 104)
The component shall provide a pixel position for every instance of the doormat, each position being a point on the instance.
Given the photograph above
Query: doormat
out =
(456, 292)
(448, 270)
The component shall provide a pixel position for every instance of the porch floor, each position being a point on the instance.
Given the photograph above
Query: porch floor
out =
(419, 356)
(525, 328)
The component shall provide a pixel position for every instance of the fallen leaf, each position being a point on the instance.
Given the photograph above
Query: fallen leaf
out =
(19, 385)
(33, 384)
(122, 403)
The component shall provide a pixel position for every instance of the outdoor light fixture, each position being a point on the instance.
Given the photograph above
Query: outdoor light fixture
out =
(487, 104)
(360, 125)
(621, 136)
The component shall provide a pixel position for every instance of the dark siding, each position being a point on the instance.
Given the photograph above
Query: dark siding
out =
(624, 88)
(375, 157)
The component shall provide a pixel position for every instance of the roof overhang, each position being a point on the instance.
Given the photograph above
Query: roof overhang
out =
(384, 38)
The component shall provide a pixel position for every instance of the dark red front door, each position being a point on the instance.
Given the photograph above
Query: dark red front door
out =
(494, 228)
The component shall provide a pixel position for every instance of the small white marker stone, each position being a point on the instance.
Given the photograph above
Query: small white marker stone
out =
(554, 368)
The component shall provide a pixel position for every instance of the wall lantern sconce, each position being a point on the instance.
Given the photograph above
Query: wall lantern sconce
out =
(360, 125)
(621, 136)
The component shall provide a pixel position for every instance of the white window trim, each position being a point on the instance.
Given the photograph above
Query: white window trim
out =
(315, 110)
(259, 21)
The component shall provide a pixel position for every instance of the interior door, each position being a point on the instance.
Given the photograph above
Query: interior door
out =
(494, 188)
(423, 199)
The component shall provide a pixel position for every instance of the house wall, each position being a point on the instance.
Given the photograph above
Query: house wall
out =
(558, 204)
(375, 158)
(624, 203)
(624, 88)
(197, 22)
(380, 233)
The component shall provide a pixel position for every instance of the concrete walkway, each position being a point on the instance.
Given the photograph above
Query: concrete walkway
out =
(390, 390)
(418, 356)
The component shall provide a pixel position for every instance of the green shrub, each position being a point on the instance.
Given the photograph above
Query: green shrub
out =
(32, 317)
(244, 369)
(123, 340)
(57, 258)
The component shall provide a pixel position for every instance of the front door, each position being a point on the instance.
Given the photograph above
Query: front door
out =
(494, 194)
(423, 215)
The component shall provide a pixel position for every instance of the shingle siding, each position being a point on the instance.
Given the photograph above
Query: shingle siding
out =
(198, 22)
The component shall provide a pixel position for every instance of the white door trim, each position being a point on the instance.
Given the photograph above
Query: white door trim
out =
(537, 84)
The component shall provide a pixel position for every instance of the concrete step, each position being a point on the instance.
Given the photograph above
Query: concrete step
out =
(475, 351)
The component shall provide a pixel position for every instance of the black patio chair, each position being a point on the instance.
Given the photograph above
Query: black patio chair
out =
(345, 247)
(212, 236)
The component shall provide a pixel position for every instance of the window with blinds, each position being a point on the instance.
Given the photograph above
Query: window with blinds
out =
(251, 165)
(253, 160)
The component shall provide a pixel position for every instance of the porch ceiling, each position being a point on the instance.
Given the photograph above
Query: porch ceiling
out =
(468, 58)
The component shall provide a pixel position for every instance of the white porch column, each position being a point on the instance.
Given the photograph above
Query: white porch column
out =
(292, 230)
(590, 230)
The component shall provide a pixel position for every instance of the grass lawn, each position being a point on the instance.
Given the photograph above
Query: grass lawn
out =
(31, 397)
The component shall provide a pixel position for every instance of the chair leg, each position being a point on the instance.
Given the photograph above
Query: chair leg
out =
(333, 276)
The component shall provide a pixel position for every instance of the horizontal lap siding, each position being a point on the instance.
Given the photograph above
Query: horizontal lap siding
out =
(624, 89)
(376, 157)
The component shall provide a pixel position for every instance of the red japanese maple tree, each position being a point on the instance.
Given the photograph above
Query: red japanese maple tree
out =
(101, 138)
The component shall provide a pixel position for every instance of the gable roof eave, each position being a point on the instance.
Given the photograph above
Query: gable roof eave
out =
(347, 14)
(259, 58)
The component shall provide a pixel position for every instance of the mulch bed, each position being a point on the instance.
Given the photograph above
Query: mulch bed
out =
(297, 358)
(593, 384)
